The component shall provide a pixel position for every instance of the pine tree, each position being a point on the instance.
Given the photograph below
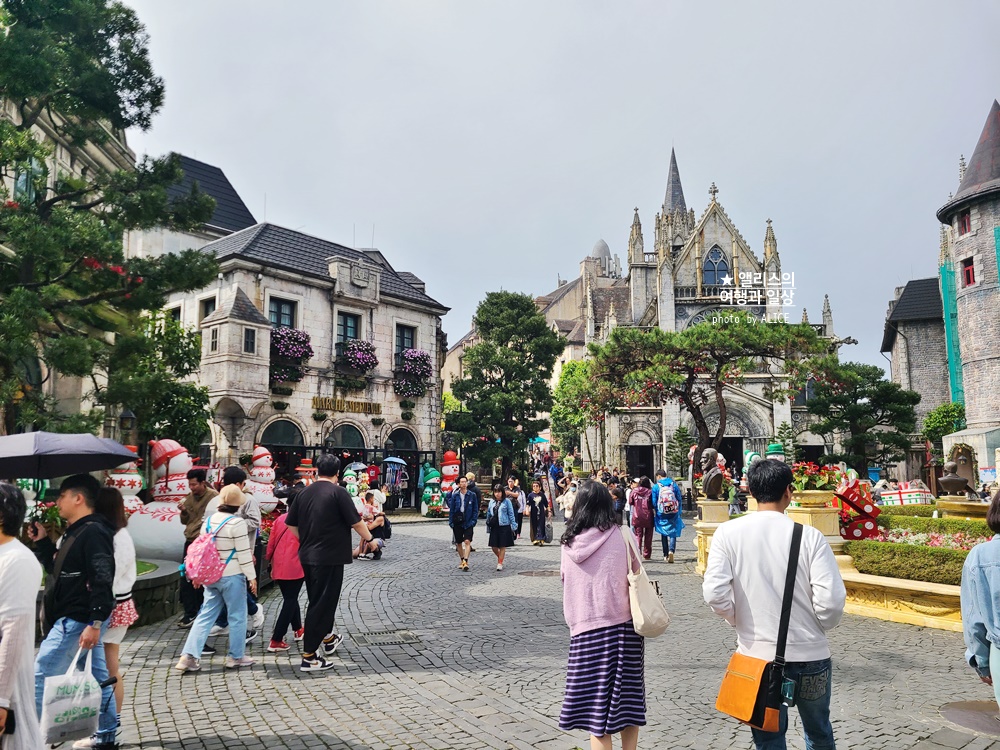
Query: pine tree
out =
(677, 451)
(786, 436)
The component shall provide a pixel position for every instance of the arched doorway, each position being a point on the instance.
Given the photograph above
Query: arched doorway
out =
(346, 435)
(284, 439)
(402, 439)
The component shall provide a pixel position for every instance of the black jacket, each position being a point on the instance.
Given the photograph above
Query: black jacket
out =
(84, 589)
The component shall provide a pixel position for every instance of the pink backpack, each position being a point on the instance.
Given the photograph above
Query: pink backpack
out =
(202, 564)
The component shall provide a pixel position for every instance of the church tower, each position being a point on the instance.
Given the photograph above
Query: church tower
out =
(969, 288)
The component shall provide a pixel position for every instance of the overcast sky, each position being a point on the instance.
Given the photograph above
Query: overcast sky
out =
(491, 144)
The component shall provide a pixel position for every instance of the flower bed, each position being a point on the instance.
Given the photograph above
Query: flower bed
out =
(912, 562)
(809, 476)
(916, 524)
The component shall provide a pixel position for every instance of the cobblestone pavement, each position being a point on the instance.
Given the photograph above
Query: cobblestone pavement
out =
(485, 668)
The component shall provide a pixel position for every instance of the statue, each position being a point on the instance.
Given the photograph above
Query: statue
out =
(156, 528)
(952, 483)
(306, 471)
(711, 478)
(449, 471)
(260, 479)
(431, 499)
(127, 480)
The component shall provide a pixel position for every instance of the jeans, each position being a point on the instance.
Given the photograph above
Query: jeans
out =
(223, 619)
(815, 682)
(323, 584)
(290, 613)
(669, 544)
(995, 671)
(191, 598)
(228, 590)
(54, 657)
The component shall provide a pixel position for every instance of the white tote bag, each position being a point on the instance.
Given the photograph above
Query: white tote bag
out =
(71, 703)
(649, 616)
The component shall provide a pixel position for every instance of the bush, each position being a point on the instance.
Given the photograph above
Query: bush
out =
(924, 511)
(908, 561)
(935, 525)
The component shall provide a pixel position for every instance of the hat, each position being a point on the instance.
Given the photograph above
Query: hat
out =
(232, 496)
(162, 451)
(470, 476)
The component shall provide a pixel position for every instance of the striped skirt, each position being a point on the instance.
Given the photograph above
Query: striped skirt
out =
(605, 681)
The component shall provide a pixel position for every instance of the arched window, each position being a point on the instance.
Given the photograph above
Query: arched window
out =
(715, 267)
(281, 432)
(346, 436)
(403, 440)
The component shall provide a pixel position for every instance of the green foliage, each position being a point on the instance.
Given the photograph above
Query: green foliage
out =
(874, 415)
(407, 405)
(677, 451)
(406, 416)
(639, 367)
(82, 68)
(349, 384)
(146, 371)
(909, 561)
(280, 405)
(319, 416)
(574, 406)
(943, 420)
(969, 527)
(506, 386)
(909, 511)
(786, 436)
(449, 403)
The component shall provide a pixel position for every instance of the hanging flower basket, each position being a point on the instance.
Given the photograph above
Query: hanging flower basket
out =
(359, 355)
(290, 350)
(409, 388)
(280, 405)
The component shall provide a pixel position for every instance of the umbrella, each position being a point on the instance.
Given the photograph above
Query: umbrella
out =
(393, 460)
(358, 466)
(539, 439)
(45, 455)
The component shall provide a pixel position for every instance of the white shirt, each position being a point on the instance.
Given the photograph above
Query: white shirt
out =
(745, 580)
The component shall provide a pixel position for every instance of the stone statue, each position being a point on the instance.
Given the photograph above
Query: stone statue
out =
(953, 484)
(711, 475)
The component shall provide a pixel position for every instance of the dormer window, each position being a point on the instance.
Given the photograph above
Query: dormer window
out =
(964, 222)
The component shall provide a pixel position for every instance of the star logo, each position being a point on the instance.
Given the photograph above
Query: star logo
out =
(727, 280)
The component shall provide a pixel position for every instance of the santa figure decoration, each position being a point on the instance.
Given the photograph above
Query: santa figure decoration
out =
(260, 482)
(127, 480)
(449, 471)
(156, 528)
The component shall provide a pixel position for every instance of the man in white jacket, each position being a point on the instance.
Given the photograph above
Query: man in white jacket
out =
(744, 582)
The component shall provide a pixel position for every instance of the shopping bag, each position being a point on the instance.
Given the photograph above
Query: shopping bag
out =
(71, 703)
(649, 615)
(548, 532)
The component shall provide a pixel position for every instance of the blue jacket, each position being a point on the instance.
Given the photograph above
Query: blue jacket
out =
(981, 604)
(467, 519)
(506, 513)
(667, 524)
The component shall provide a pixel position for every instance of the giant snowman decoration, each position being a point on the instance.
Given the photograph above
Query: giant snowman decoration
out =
(156, 528)
(260, 483)
(449, 472)
(127, 480)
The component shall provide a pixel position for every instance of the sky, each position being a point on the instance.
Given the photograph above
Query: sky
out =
(488, 145)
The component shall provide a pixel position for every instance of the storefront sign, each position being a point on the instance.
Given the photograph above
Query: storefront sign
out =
(342, 404)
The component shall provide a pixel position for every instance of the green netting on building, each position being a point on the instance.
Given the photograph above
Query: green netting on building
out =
(947, 272)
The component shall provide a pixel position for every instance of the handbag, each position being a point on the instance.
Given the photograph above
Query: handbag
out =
(649, 616)
(548, 532)
(751, 688)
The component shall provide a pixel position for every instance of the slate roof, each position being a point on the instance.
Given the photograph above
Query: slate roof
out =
(558, 293)
(920, 300)
(982, 175)
(231, 213)
(619, 296)
(236, 307)
(294, 251)
(674, 198)
(564, 326)
(579, 333)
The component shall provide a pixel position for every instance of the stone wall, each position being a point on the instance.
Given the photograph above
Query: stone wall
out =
(919, 362)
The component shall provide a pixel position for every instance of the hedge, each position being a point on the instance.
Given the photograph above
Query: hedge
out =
(925, 511)
(910, 561)
(935, 525)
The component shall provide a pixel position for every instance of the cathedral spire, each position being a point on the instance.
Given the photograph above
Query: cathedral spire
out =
(770, 243)
(805, 315)
(827, 315)
(674, 198)
(636, 254)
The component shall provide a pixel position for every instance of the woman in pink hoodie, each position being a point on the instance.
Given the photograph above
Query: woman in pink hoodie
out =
(605, 677)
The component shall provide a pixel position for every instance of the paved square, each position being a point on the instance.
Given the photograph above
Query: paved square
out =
(478, 662)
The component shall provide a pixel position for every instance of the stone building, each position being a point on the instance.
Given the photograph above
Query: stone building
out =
(272, 277)
(970, 292)
(698, 268)
(914, 338)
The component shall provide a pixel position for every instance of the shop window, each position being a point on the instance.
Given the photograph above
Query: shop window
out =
(964, 222)
(249, 341)
(282, 312)
(348, 326)
(968, 272)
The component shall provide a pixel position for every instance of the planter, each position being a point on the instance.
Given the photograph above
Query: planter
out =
(930, 605)
(319, 416)
(962, 509)
(282, 390)
(279, 405)
(378, 421)
(406, 416)
(816, 508)
(812, 498)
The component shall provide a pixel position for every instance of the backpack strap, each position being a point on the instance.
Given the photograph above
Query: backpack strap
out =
(215, 534)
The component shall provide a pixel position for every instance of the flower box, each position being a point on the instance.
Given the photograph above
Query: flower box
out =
(280, 405)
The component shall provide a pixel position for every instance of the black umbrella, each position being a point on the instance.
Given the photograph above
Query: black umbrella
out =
(45, 455)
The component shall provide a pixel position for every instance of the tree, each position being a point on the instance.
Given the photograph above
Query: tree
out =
(695, 366)
(786, 436)
(574, 408)
(507, 383)
(940, 421)
(677, 451)
(81, 69)
(145, 375)
(873, 416)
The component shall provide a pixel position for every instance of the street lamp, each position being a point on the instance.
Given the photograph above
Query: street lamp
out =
(126, 424)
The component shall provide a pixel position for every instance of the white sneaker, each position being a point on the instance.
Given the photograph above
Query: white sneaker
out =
(499, 566)
(84, 744)
(217, 630)
(257, 621)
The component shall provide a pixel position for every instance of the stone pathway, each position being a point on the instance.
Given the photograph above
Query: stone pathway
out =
(439, 659)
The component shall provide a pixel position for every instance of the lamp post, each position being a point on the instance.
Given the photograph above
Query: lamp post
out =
(126, 425)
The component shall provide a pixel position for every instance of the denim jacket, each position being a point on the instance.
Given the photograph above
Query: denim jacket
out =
(981, 603)
(506, 513)
(463, 519)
